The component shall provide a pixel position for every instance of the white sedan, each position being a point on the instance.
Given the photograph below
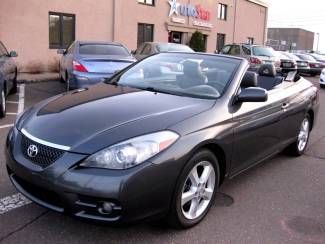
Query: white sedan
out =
(322, 79)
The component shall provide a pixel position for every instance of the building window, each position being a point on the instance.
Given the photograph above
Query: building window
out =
(221, 39)
(250, 40)
(145, 33)
(61, 30)
(222, 11)
(147, 2)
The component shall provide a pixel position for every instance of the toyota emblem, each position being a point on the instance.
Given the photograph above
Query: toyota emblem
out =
(32, 151)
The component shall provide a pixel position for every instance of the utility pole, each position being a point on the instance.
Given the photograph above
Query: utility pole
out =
(317, 42)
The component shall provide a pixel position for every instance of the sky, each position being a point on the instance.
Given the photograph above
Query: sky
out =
(304, 14)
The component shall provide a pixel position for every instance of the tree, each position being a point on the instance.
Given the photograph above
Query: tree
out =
(197, 42)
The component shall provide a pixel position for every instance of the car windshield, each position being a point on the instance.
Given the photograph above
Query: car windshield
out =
(306, 57)
(102, 49)
(191, 75)
(170, 47)
(263, 51)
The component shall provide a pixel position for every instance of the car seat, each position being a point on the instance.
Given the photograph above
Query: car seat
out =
(192, 75)
(267, 77)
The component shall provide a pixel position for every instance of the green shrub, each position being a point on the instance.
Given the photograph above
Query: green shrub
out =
(197, 42)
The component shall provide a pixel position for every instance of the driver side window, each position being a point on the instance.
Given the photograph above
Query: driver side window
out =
(225, 50)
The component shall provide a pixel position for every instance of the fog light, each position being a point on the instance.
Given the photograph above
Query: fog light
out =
(106, 208)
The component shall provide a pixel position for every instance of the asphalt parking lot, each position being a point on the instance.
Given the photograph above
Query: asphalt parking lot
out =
(280, 201)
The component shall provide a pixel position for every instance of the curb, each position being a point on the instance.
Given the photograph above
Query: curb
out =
(36, 81)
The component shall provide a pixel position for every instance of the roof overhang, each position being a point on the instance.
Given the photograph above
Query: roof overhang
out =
(259, 2)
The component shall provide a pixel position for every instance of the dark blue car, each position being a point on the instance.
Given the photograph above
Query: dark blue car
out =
(8, 77)
(87, 63)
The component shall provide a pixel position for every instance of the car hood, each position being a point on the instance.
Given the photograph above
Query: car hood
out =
(89, 119)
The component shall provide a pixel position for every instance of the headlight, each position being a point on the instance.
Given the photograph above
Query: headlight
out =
(131, 152)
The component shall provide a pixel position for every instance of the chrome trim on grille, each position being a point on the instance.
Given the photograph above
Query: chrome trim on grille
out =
(46, 143)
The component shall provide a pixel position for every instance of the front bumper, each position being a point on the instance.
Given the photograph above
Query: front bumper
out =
(134, 194)
(85, 79)
(303, 69)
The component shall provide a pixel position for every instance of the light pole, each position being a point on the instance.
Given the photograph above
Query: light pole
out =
(317, 41)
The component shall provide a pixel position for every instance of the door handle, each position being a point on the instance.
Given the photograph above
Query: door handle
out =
(285, 105)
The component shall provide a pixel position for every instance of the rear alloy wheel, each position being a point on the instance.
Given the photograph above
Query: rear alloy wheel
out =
(299, 146)
(2, 104)
(195, 191)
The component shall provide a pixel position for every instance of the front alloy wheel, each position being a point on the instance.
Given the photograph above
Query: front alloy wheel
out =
(303, 135)
(299, 146)
(195, 191)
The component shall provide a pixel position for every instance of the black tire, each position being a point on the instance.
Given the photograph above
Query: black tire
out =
(2, 103)
(61, 77)
(322, 86)
(176, 217)
(14, 89)
(294, 149)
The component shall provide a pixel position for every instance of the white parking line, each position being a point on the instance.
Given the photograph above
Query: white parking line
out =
(12, 202)
(21, 99)
(6, 126)
(21, 105)
(14, 102)
(17, 200)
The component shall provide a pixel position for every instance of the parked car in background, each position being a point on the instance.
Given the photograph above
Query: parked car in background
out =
(315, 66)
(302, 65)
(287, 64)
(86, 63)
(8, 76)
(161, 144)
(318, 57)
(148, 48)
(255, 54)
(322, 79)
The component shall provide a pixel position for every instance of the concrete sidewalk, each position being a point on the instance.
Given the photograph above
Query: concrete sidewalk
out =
(41, 77)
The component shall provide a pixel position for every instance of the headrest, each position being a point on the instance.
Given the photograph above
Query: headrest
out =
(249, 80)
(267, 70)
(192, 68)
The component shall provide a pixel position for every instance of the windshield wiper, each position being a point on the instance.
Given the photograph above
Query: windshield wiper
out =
(152, 89)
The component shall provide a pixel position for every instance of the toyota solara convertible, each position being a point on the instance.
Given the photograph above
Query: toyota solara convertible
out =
(158, 138)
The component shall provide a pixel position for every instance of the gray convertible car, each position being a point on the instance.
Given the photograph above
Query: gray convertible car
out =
(8, 77)
(86, 63)
(155, 141)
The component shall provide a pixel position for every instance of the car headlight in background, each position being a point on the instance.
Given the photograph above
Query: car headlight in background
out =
(131, 152)
(323, 72)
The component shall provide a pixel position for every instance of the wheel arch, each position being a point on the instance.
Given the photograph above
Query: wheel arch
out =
(218, 152)
(311, 114)
(220, 155)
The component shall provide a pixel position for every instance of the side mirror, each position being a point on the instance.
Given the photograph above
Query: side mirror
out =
(13, 54)
(252, 94)
(60, 51)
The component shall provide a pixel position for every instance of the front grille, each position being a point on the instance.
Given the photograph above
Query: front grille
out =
(45, 156)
